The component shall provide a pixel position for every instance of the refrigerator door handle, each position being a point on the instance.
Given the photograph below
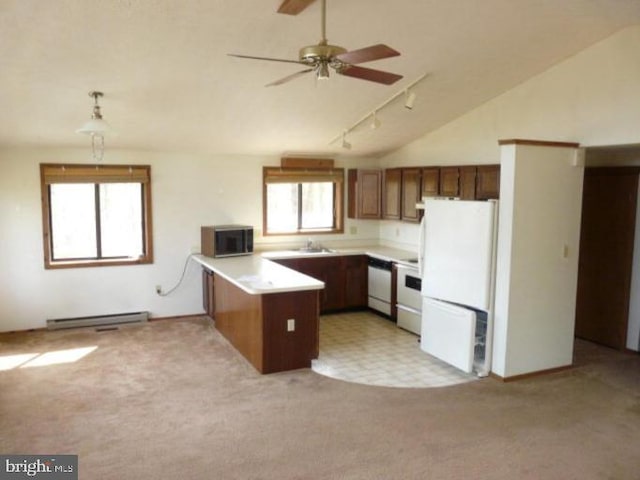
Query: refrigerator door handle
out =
(421, 244)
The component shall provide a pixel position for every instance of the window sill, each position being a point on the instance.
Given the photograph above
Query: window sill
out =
(96, 263)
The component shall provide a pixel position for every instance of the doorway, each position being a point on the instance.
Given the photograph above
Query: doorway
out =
(606, 254)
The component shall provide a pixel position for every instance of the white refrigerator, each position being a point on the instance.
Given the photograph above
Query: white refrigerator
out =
(458, 251)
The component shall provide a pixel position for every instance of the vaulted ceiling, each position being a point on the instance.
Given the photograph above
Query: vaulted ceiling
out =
(170, 85)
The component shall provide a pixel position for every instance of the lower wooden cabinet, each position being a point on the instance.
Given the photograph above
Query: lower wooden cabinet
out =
(345, 279)
(355, 281)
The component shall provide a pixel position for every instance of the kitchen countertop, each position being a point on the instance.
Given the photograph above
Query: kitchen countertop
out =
(257, 275)
(384, 253)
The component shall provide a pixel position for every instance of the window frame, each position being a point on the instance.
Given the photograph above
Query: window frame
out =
(58, 173)
(305, 175)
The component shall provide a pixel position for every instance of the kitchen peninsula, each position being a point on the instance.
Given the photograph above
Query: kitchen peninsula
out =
(268, 312)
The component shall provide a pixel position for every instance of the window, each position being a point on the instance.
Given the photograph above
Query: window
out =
(96, 215)
(302, 201)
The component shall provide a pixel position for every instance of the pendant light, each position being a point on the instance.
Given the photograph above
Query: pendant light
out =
(97, 128)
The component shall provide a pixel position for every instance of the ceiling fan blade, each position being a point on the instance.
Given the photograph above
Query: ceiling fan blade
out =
(289, 77)
(294, 7)
(370, 74)
(265, 58)
(374, 52)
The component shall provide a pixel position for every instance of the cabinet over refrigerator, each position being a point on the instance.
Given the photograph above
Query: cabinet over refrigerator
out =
(458, 251)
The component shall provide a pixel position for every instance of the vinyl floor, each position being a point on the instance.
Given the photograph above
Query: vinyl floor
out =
(362, 347)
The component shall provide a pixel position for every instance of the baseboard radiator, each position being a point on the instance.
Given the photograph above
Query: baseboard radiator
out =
(98, 321)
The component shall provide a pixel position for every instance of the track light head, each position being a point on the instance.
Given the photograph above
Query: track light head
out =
(346, 145)
(375, 121)
(410, 98)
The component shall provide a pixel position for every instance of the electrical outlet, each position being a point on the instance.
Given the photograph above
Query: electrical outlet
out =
(353, 230)
(159, 289)
(291, 325)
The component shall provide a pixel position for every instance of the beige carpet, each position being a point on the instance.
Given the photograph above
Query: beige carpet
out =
(173, 400)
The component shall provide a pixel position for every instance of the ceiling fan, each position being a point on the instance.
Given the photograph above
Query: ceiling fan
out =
(318, 58)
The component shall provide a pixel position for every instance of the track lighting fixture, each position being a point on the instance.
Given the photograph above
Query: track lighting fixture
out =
(97, 128)
(372, 116)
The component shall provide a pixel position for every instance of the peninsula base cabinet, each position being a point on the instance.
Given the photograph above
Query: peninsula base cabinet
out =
(344, 277)
(275, 332)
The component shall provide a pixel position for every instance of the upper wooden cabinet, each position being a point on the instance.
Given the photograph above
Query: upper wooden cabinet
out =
(365, 188)
(487, 182)
(467, 182)
(411, 194)
(392, 194)
(449, 181)
(430, 182)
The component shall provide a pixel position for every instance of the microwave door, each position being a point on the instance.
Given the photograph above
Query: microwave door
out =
(229, 242)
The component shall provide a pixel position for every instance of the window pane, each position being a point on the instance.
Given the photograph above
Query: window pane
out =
(121, 219)
(317, 205)
(73, 222)
(282, 207)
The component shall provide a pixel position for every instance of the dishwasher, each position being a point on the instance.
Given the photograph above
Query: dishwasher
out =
(379, 290)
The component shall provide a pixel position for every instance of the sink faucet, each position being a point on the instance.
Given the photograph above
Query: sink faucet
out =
(309, 243)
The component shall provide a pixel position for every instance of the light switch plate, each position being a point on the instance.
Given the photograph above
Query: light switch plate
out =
(291, 325)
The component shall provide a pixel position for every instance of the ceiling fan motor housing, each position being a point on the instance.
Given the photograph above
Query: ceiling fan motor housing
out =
(315, 54)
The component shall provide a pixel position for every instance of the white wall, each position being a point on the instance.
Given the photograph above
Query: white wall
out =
(537, 266)
(187, 191)
(592, 98)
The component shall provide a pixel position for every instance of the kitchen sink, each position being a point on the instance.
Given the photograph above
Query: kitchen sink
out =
(316, 250)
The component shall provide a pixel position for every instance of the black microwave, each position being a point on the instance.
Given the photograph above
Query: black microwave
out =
(226, 240)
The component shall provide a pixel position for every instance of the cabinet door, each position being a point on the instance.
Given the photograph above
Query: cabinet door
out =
(449, 186)
(364, 193)
(208, 297)
(410, 194)
(356, 281)
(488, 182)
(329, 271)
(430, 182)
(392, 193)
(467, 183)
